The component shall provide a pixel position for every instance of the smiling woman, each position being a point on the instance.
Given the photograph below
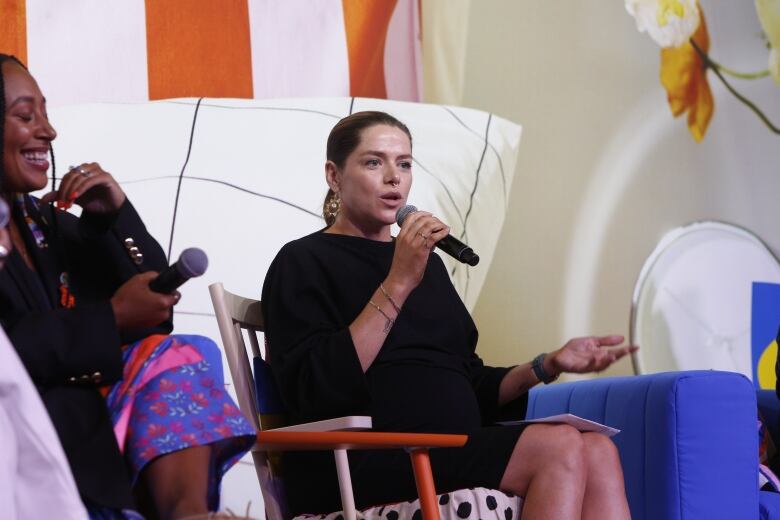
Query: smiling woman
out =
(131, 404)
(27, 134)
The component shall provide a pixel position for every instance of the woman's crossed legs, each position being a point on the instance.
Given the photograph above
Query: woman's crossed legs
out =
(565, 474)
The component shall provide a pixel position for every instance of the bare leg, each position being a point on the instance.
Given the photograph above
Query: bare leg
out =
(178, 482)
(605, 494)
(548, 468)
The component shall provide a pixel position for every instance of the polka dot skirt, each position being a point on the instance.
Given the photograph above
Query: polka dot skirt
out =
(463, 504)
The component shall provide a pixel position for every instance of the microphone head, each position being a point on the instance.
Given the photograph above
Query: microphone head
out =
(404, 212)
(192, 262)
(5, 213)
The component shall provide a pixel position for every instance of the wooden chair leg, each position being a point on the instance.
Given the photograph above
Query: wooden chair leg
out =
(345, 485)
(423, 476)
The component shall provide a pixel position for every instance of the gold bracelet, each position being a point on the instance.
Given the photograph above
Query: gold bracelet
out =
(390, 298)
(390, 321)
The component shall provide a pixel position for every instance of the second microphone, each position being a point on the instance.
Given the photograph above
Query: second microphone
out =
(191, 263)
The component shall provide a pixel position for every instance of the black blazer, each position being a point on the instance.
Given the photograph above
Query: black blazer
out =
(71, 352)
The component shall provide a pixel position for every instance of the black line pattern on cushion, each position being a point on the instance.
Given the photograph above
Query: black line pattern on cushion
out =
(351, 109)
(229, 185)
(464, 233)
(498, 156)
(463, 219)
(181, 175)
(444, 187)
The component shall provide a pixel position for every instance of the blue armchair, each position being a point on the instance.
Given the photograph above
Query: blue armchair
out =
(689, 443)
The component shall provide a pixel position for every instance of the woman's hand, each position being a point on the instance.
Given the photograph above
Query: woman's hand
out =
(89, 186)
(136, 306)
(583, 355)
(418, 236)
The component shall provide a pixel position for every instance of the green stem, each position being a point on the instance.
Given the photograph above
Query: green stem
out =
(742, 75)
(710, 64)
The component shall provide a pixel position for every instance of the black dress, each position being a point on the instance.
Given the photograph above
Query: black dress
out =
(426, 377)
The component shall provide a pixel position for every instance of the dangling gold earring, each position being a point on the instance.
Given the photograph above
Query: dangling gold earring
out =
(333, 206)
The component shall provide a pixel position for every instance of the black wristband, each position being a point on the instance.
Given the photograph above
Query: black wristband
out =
(537, 365)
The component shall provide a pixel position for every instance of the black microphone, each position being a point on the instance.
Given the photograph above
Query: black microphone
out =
(191, 263)
(449, 244)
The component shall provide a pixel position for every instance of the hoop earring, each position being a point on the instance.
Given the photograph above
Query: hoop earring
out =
(333, 207)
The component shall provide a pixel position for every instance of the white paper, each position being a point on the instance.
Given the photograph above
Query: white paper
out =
(583, 425)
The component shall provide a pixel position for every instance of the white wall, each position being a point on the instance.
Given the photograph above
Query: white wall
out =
(604, 170)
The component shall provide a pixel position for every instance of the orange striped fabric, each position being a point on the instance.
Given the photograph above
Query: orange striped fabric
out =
(198, 48)
(366, 30)
(13, 28)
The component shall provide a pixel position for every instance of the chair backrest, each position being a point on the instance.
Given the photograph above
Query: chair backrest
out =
(235, 315)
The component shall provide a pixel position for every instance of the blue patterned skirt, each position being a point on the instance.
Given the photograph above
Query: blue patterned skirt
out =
(172, 397)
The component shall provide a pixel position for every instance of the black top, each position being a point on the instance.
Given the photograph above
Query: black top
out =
(426, 377)
(61, 323)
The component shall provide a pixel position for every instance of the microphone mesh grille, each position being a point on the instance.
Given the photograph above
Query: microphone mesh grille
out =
(404, 212)
(193, 262)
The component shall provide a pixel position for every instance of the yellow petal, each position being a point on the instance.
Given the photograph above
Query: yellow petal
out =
(685, 79)
(701, 111)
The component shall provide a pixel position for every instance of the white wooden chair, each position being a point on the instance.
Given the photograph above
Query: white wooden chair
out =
(236, 314)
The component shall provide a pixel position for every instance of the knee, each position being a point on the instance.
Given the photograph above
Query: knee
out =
(600, 451)
(562, 447)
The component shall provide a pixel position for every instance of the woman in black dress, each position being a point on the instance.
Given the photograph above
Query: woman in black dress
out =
(363, 323)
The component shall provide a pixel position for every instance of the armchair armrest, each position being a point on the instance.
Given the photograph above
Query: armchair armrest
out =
(290, 440)
(688, 444)
(339, 441)
(346, 423)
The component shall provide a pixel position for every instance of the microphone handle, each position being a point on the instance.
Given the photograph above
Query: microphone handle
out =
(458, 250)
(167, 281)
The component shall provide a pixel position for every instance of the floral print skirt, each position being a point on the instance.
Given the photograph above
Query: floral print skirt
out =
(172, 397)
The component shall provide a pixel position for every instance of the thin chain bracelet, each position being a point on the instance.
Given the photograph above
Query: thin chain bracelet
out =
(390, 321)
(390, 298)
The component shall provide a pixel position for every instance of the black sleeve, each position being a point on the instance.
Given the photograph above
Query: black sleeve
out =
(311, 352)
(486, 382)
(58, 344)
(103, 254)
